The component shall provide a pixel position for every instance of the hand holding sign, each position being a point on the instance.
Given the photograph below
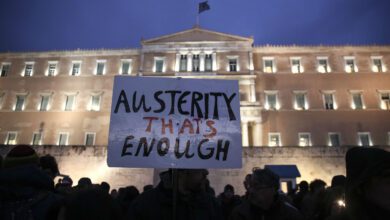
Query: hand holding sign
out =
(170, 123)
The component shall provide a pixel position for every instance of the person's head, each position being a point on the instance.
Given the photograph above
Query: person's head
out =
(247, 181)
(338, 181)
(368, 178)
(66, 181)
(303, 186)
(49, 164)
(147, 188)
(228, 191)
(21, 155)
(263, 188)
(84, 183)
(317, 186)
(105, 187)
(192, 180)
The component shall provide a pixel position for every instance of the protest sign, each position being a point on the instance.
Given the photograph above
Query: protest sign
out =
(174, 123)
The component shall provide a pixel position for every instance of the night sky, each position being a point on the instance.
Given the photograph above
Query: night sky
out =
(41, 25)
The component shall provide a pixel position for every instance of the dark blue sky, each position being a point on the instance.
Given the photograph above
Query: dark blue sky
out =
(40, 25)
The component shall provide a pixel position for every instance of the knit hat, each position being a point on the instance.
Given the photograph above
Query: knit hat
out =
(365, 163)
(266, 177)
(19, 156)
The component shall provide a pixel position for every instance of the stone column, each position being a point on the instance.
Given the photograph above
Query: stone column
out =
(214, 56)
(252, 91)
(177, 64)
(251, 68)
(189, 62)
(244, 128)
(201, 61)
(257, 134)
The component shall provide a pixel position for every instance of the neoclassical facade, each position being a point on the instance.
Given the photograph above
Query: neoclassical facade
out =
(290, 95)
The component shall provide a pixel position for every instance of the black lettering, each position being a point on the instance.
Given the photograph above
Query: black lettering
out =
(224, 149)
(205, 156)
(178, 154)
(232, 117)
(162, 151)
(127, 145)
(173, 95)
(215, 94)
(181, 101)
(141, 102)
(143, 143)
(196, 96)
(122, 99)
(206, 106)
(160, 101)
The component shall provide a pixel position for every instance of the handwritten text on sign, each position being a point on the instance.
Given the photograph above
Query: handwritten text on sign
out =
(177, 123)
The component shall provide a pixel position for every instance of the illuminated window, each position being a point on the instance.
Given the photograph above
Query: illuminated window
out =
(271, 100)
(329, 102)
(274, 140)
(69, 102)
(377, 65)
(44, 104)
(11, 138)
(385, 100)
(2, 97)
(323, 65)
(334, 139)
(364, 139)
(95, 103)
(268, 65)
(89, 139)
(195, 63)
(37, 139)
(350, 65)
(76, 68)
(20, 102)
(126, 67)
(5, 67)
(52, 68)
(183, 63)
(304, 139)
(28, 69)
(233, 64)
(300, 102)
(63, 138)
(159, 65)
(357, 101)
(100, 67)
(208, 62)
(296, 66)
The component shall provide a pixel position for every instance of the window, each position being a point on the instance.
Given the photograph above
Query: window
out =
(296, 66)
(377, 65)
(95, 103)
(2, 97)
(51, 70)
(274, 140)
(329, 101)
(44, 104)
(271, 100)
(322, 65)
(183, 63)
(20, 102)
(300, 101)
(357, 101)
(28, 69)
(364, 139)
(100, 67)
(385, 100)
(63, 138)
(159, 64)
(37, 139)
(334, 139)
(268, 65)
(76, 68)
(350, 66)
(195, 63)
(5, 67)
(69, 102)
(11, 138)
(233, 65)
(126, 67)
(208, 62)
(304, 139)
(89, 139)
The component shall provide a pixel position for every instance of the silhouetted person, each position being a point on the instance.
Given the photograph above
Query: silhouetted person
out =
(228, 200)
(263, 200)
(105, 187)
(126, 196)
(49, 164)
(192, 202)
(147, 188)
(84, 183)
(298, 198)
(246, 185)
(313, 202)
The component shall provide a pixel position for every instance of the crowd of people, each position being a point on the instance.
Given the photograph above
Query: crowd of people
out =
(27, 191)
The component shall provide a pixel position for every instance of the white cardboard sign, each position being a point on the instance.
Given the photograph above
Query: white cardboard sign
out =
(174, 123)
